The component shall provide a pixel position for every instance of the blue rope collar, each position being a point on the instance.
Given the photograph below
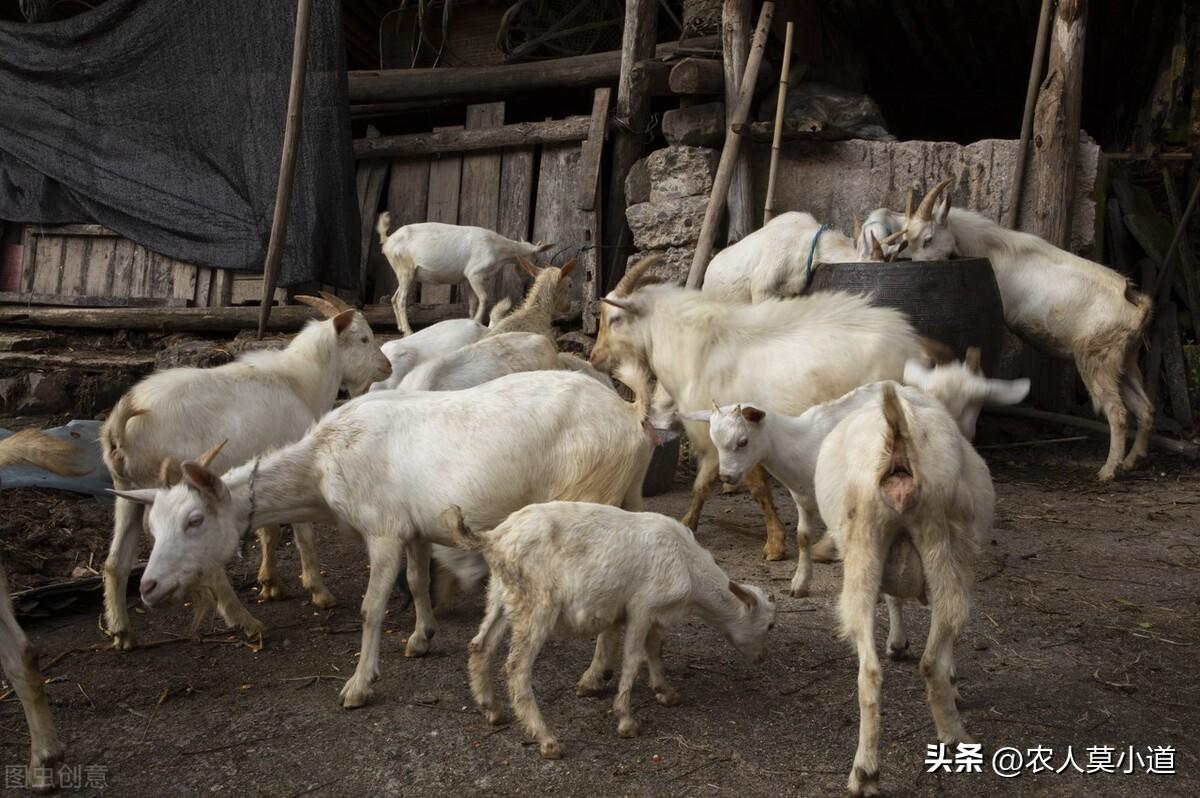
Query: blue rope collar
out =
(812, 251)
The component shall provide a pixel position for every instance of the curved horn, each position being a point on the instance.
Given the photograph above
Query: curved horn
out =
(925, 211)
(337, 301)
(529, 268)
(318, 304)
(972, 360)
(893, 238)
(876, 248)
(634, 275)
(207, 458)
(908, 204)
(857, 226)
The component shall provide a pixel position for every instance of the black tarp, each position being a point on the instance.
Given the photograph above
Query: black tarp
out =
(163, 120)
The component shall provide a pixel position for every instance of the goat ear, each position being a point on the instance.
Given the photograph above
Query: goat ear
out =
(342, 320)
(204, 480)
(1006, 392)
(753, 414)
(876, 248)
(942, 210)
(916, 374)
(743, 595)
(529, 268)
(697, 415)
(627, 305)
(168, 472)
(567, 269)
(140, 496)
(972, 360)
(544, 247)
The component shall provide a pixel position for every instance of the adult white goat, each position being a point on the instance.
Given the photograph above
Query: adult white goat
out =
(448, 254)
(789, 354)
(776, 260)
(579, 569)
(1061, 303)
(388, 465)
(907, 501)
(18, 660)
(260, 401)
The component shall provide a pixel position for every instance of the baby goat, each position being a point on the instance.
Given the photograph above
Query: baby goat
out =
(579, 569)
(906, 499)
(432, 252)
(549, 294)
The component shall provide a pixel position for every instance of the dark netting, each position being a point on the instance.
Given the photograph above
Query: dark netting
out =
(164, 121)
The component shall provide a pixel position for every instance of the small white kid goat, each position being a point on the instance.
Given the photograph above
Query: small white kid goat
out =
(477, 363)
(907, 500)
(550, 293)
(576, 569)
(405, 354)
(17, 658)
(447, 254)
(388, 465)
(1063, 304)
(260, 401)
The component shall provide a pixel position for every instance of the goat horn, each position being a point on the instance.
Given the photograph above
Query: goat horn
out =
(529, 268)
(876, 248)
(634, 274)
(857, 225)
(207, 458)
(323, 306)
(168, 473)
(716, 406)
(925, 211)
(339, 303)
(893, 238)
(972, 360)
(908, 204)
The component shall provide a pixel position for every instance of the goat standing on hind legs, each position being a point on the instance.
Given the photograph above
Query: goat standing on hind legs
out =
(1063, 304)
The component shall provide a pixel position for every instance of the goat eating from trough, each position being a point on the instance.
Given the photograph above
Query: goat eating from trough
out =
(262, 400)
(388, 465)
(788, 354)
(447, 254)
(1061, 303)
(579, 569)
(550, 293)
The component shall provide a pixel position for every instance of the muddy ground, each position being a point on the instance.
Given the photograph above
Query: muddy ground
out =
(1085, 632)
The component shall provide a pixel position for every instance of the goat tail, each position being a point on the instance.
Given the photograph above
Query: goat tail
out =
(112, 435)
(464, 537)
(34, 447)
(898, 477)
(382, 225)
(499, 311)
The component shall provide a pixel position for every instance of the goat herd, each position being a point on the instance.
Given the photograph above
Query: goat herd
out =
(517, 459)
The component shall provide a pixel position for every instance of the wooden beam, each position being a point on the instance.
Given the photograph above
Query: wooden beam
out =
(369, 182)
(631, 115)
(557, 131)
(697, 76)
(15, 298)
(729, 154)
(596, 69)
(735, 45)
(1190, 450)
(777, 134)
(593, 150)
(287, 164)
(1031, 93)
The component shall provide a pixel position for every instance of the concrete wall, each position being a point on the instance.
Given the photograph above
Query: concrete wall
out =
(833, 180)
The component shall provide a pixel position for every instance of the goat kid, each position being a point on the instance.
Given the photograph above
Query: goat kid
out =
(575, 569)
(550, 293)
(447, 254)
(387, 465)
(1066, 305)
(262, 400)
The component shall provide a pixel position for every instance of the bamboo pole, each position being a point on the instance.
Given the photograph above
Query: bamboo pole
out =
(287, 164)
(777, 140)
(1031, 93)
(716, 202)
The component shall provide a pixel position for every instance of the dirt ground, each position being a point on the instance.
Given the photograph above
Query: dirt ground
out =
(1084, 633)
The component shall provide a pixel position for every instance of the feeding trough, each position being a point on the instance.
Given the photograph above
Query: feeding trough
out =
(956, 302)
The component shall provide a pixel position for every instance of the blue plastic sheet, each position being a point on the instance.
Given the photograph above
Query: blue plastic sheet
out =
(85, 434)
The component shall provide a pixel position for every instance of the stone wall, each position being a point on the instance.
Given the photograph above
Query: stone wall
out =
(668, 192)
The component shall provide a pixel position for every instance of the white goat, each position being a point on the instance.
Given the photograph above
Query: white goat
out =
(880, 237)
(906, 500)
(1064, 304)
(550, 293)
(18, 660)
(790, 354)
(484, 360)
(388, 465)
(772, 262)
(262, 400)
(447, 254)
(577, 569)
(405, 354)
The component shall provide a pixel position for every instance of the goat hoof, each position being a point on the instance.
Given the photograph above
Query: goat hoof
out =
(43, 766)
(863, 783)
(589, 688)
(799, 589)
(324, 600)
(628, 727)
(271, 591)
(550, 749)
(495, 717)
(417, 645)
(898, 652)
(353, 696)
(252, 628)
(667, 696)
(774, 553)
(1107, 474)
(124, 641)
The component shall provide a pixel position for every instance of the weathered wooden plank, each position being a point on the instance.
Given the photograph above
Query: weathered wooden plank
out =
(516, 207)
(94, 301)
(47, 263)
(29, 340)
(369, 182)
(74, 230)
(159, 273)
(1174, 369)
(458, 139)
(593, 150)
(183, 280)
(221, 293)
(735, 48)
(204, 278)
(557, 220)
(100, 267)
(445, 180)
(408, 202)
(139, 272)
(480, 201)
(697, 76)
(122, 268)
(76, 250)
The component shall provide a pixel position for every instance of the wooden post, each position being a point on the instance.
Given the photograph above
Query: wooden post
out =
(287, 164)
(631, 114)
(735, 42)
(1031, 93)
(777, 140)
(725, 169)
(1056, 139)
